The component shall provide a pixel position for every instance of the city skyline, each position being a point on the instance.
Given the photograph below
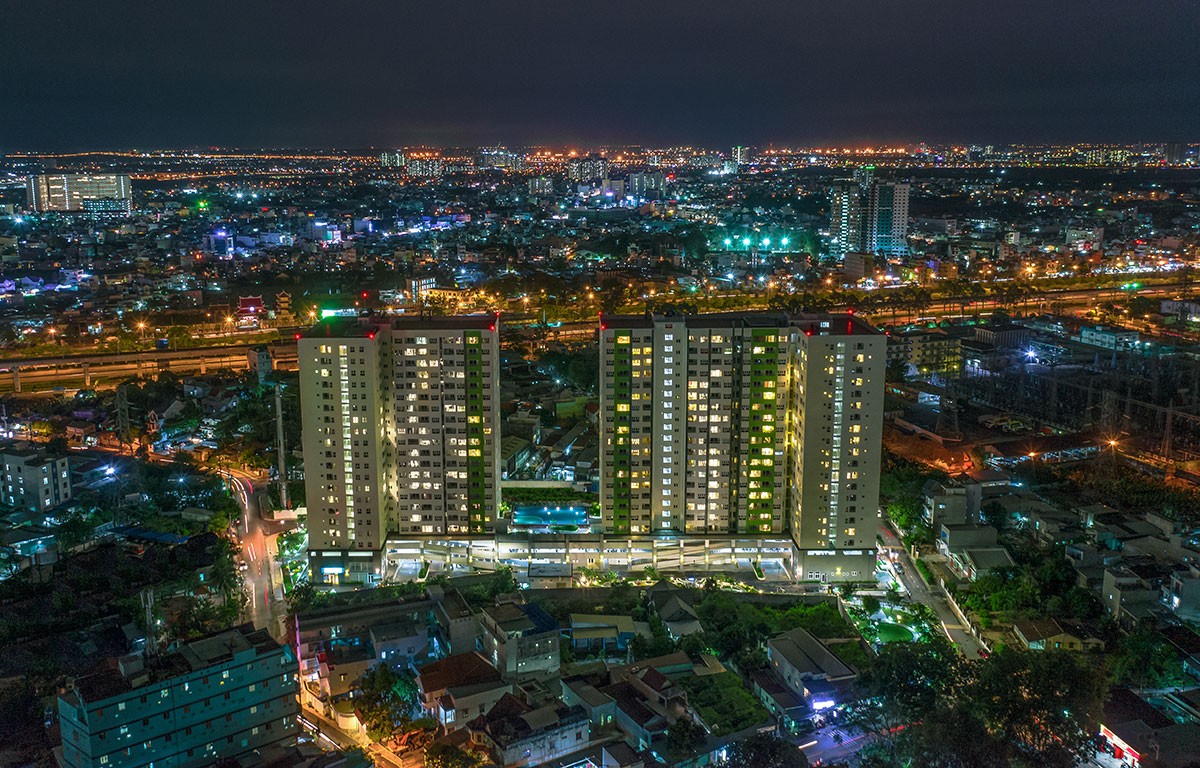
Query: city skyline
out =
(541, 73)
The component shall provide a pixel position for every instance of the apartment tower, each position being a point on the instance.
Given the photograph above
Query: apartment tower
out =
(401, 434)
(745, 423)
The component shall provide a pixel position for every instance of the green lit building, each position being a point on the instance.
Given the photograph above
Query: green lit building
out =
(401, 435)
(745, 425)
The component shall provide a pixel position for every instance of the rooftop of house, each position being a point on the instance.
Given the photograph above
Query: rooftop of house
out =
(808, 655)
(454, 671)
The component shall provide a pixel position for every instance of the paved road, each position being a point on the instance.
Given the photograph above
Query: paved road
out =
(264, 580)
(934, 597)
(833, 744)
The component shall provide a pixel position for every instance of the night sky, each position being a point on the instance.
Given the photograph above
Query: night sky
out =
(353, 73)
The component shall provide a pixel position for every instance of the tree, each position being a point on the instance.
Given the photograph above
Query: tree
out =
(764, 750)
(871, 604)
(1041, 708)
(1144, 659)
(684, 736)
(448, 756)
(388, 700)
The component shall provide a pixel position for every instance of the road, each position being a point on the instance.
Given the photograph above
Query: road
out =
(934, 597)
(263, 578)
(106, 370)
(833, 744)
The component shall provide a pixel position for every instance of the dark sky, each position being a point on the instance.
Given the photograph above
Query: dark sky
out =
(129, 73)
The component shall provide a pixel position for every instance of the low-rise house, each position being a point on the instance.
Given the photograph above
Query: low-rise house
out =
(950, 503)
(457, 688)
(1054, 635)
(1182, 595)
(521, 640)
(516, 734)
(808, 668)
(456, 626)
(1186, 643)
(677, 615)
(781, 701)
(591, 633)
(1139, 734)
(1130, 594)
(972, 549)
(583, 692)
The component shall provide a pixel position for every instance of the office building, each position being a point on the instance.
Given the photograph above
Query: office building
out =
(845, 219)
(31, 479)
(745, 423)
(886, 228)
(79, 192)
(401, 435)
(215, 698)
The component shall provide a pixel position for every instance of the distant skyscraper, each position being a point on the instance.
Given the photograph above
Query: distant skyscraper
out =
(740, 155)
(541, 185)
(886, 229)
(401, 434)
(587, 168)
(641, 184)
(74, 192)
(393, 159)
(745, 423)
(1173, 153)
(845, 218)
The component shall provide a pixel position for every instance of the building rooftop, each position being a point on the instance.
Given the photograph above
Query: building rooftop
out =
(455, 671)
(120, 676)
(809, 655)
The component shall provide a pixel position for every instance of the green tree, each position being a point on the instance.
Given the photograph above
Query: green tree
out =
(684, 737)
(871, 604)
(764, 750)
(1144, 659)
(448, 756)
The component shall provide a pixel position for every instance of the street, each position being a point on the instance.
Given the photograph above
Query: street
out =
(933, 597)
(263, 578)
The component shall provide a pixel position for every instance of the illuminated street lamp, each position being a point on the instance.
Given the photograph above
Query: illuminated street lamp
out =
(141, 326)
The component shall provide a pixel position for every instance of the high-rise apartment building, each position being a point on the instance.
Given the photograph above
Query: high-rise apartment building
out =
(588, 168)
(748, 423)
(217, 697)
(79, 192)
(393, 159)
(740, 155)
(401, 434)
(845, 218)
(886, 229)
(868, 214)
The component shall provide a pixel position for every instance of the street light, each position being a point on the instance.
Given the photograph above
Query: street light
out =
(141, 326)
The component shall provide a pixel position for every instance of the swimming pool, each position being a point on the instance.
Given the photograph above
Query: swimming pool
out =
(549, 514)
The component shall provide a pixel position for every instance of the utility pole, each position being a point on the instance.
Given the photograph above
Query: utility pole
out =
(283, 478)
